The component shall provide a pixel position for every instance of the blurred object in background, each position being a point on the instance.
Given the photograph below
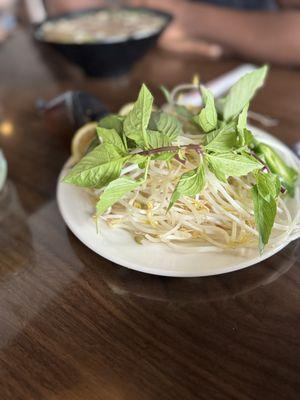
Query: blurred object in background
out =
(7, 18)
(35, 10)
(263, 31)
(54, 7)
(6, 130)
(296, 149)
(71, 110)
(39, 10)
(3, 171)
(244, 4)
(104, 42)
(4, 189)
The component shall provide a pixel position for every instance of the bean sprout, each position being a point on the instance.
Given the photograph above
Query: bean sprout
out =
(221, 217)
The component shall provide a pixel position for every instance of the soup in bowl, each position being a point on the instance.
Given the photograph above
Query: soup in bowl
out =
(104, 41)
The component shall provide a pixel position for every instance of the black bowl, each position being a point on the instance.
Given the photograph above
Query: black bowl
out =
(105, 59)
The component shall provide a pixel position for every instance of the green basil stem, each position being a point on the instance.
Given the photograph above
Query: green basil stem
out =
(146, 169)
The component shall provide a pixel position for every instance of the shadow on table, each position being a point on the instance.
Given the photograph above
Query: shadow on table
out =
(123, 281)
(16, 251)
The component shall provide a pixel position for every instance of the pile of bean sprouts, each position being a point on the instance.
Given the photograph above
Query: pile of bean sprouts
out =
(220, 217)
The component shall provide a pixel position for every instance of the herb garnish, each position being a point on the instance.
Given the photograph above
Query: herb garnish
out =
(226, 147)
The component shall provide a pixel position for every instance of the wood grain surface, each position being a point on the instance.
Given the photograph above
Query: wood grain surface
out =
(75, 326)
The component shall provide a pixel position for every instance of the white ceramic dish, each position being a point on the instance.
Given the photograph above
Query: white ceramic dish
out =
(118, 246)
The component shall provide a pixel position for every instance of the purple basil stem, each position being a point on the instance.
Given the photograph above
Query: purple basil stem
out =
(177, 158)
(282, 189)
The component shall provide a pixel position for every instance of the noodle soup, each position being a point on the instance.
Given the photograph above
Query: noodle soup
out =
(104, 26)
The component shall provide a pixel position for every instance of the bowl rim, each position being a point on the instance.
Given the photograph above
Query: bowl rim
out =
(38, 36)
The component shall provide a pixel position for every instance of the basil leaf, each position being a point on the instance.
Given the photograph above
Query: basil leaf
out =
(136, 122)
(264, 213)
(248, 138)
(112, 121)
(166, 124)
(230, 164)
(114, 191)
(166, 93)
(268, 186)
(217, 172)
(182, 111)
(219, 104)
(115, 122)
(94, 143)
(287, 175)
(207, 119)
(222, 139)
(242, 92)
(111, 136)
(157, 139)
(242, 124)
(97, 168)
(190, 184)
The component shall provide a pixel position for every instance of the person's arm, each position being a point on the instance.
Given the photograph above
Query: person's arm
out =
(264, 36)
(61, 6)
(289, 3)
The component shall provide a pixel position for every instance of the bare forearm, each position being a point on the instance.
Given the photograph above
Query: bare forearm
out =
(61, 6)
(268, 36)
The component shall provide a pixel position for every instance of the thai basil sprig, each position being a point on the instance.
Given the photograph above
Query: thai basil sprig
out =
(227, 149)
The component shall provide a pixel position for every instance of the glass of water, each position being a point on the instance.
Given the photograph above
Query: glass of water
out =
(3, 175)
(3, 170)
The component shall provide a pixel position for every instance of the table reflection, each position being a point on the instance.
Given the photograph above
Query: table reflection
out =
(124, 282)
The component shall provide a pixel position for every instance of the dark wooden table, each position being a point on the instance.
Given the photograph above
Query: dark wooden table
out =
(75, 326)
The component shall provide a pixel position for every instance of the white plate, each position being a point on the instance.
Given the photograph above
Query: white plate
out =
(118, 246)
